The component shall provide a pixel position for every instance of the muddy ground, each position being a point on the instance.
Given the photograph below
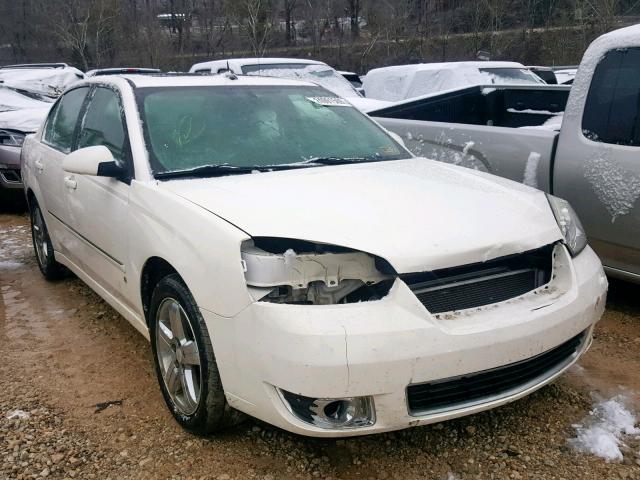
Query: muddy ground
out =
(63, 351)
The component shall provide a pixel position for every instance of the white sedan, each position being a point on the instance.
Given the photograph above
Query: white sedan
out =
(289, 259)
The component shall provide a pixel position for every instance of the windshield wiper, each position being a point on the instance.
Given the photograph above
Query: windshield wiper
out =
(226, 169)
(335, 160)
(223, 170)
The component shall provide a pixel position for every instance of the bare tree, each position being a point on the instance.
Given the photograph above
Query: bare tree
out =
(258, 28)
(289, 8)
(85, 28)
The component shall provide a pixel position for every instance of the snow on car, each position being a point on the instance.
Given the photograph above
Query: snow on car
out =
(26, 94)
(295, 69)
(288, 258)
(407, 81)
(565, 76)
(46, 79)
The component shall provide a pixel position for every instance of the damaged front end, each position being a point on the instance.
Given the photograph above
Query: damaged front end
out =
(281, 270)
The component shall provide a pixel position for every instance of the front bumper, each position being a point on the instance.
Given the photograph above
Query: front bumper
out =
(10, 167)
(380, 348)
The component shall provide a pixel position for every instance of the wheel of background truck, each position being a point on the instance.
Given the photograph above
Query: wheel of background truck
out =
(51, 269)
(184, 359)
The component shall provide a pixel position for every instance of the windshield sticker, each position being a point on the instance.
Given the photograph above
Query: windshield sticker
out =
(329, 101)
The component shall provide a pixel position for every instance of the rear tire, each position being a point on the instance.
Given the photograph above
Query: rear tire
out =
(50, 268)
(185, 363)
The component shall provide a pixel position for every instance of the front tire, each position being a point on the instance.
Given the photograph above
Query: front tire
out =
(50, 268)
(185, 363)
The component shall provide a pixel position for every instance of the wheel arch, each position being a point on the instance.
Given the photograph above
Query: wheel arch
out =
(31, 197)
(154, 270)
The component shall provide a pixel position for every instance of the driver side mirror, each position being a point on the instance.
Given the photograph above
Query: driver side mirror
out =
(97, 161)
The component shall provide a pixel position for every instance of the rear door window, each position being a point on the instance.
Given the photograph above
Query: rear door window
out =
(612, 108)
(61, 125)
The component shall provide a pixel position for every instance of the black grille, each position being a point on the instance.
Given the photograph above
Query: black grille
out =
(483, 283)
(476, 388)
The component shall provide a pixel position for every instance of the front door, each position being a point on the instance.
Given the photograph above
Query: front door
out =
(97, 206)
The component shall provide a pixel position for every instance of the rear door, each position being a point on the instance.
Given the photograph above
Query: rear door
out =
(57, 141)
(597, 165)
(97, 206)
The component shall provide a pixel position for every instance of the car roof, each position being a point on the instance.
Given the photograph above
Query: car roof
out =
(240, 62)
(123, 70)
(191, 80)
(35, 65)
(418, 67)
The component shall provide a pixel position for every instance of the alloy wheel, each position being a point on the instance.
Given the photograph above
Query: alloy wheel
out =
(40, 237)
(178, 356)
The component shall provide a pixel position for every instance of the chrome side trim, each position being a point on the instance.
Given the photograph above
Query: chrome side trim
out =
(112, 259)
(622, 274)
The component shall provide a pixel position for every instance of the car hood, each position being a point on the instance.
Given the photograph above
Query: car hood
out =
(417, 214)
(26, 120)
(367, 105)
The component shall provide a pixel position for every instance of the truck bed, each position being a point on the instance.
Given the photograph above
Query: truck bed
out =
(497, 129)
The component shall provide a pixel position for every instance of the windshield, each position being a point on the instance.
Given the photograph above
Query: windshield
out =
(255, 126)
(511, 75)
(323, 75)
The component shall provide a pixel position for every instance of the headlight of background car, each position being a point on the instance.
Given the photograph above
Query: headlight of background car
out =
(11, 138)
(570, 226)
(312, 274)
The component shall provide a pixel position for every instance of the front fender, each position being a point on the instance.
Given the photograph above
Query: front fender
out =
(203, 248)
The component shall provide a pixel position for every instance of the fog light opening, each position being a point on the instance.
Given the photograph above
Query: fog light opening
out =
(331, 413)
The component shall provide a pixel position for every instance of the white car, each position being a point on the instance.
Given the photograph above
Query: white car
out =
(287, 258)
(295, 69)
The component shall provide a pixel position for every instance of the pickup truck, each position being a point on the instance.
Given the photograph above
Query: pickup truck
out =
(582, 145)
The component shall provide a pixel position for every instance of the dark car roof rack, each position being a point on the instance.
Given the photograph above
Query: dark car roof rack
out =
(36, 65)
(125, 70)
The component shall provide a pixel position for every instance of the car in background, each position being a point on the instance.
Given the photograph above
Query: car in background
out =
(354, 79)
(288, 258)
(401, 82)
(565, 75)
(49, 79)
(295, 69)
(546, 74)
(121, 71)
(27, 92)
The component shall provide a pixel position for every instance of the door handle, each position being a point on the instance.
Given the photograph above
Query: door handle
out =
(70, 183)
(39, 166)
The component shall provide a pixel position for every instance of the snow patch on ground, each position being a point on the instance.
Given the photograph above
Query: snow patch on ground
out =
(17, 415)
(531, 170)
(602, 432)
(9, 265)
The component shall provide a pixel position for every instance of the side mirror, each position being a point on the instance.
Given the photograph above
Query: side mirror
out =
(97, 161)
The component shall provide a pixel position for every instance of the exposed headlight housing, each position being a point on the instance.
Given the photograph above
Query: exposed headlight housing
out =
(572, 230)
(317, 275)
(11, 138)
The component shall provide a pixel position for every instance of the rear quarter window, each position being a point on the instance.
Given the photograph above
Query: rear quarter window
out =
(611, 113)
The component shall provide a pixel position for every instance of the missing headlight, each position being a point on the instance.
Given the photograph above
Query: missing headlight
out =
(320, 275)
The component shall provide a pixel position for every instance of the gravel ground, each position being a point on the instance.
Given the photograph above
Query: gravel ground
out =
(65, 354)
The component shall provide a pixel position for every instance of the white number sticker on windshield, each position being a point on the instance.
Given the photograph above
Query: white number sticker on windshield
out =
(329, 101)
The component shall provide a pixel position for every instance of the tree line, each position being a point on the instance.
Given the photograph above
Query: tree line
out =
(349, 34)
